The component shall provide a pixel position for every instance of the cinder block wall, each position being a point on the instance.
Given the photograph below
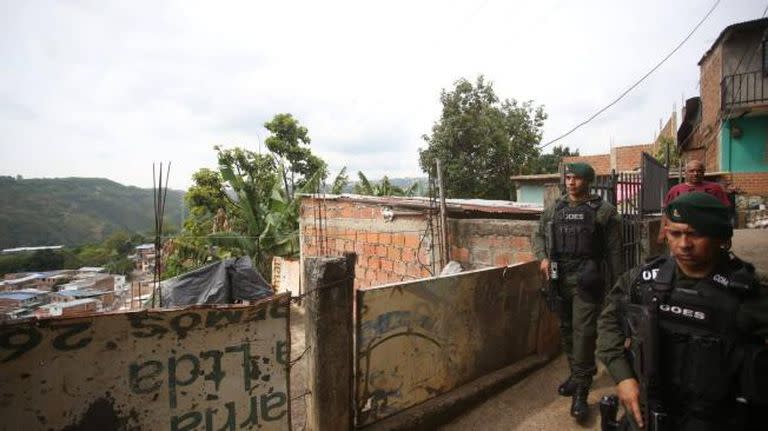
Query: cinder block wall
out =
(483, 243)
(400, 250)
(387, 252)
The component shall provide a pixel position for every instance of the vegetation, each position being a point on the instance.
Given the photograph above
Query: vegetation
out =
(382, 188)
(248, 206)
(661, 153)
(549, 163)
(482, 141)
(75, 211)
(112, 254)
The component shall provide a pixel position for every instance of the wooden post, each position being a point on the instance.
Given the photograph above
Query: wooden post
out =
(329, 283)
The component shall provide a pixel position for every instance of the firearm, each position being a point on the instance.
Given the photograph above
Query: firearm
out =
(550, 291)
(609, 406)
(645, 349)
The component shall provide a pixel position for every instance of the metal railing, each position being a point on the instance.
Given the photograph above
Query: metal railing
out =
(743, 89)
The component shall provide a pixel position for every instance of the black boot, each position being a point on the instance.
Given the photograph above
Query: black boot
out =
(579, 406)
(567, 388)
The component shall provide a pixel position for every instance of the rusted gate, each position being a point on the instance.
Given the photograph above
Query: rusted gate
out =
(201, 367)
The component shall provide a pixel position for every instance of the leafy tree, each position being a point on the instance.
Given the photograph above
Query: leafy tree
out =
(289, 143)
(341, 181)
(382, 188)
(661, 152)
(482, 141)
(549, 163)
(247, 206)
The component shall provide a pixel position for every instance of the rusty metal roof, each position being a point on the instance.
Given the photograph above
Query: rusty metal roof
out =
(453, 206)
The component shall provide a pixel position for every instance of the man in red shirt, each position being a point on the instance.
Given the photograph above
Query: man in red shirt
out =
(694, 182)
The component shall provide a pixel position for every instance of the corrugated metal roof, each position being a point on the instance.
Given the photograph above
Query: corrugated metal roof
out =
(452, 205)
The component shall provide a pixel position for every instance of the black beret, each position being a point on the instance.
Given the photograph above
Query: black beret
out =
(703, 212)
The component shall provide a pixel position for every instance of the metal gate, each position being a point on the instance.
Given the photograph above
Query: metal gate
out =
(636, 195)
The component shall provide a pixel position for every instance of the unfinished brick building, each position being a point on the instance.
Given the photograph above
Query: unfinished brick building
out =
(397, 239)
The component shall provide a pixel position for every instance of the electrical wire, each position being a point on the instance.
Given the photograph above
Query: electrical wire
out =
(638, 82)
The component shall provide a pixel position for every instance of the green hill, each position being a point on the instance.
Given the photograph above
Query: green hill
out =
(74, 211)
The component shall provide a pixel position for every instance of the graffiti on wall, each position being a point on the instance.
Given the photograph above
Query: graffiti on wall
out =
(197, 368)
(420, 339)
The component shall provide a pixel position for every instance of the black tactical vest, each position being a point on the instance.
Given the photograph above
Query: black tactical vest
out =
(701, 350)
(576, 231)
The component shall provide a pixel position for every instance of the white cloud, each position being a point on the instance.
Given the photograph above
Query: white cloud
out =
(95, 88)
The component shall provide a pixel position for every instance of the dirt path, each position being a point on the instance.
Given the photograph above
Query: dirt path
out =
(298, 369)
(752, 246)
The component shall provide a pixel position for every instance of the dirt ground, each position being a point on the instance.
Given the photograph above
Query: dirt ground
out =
(752, 246)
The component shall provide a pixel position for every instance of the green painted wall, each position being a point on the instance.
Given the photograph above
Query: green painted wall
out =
(747, 153)
(531, 193)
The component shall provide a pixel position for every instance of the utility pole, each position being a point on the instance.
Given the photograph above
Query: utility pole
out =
(444, 255)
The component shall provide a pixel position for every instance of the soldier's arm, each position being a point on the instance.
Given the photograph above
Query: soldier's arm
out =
(610, 340)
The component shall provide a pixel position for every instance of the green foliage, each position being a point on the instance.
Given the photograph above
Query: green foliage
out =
(482, 141)
(289, 144)
(340, 182)
(255, 194)
(661, 153)
(549, 163)
(112, 254)
(382, 188)
(75, 211)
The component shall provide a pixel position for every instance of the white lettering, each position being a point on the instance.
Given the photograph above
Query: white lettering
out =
(574, 216)
(681, 311)
(720, 279)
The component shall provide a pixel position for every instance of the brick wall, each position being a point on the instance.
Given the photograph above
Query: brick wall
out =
(401, 249)
(601, 163)
(752, 183)
(482, 243)
(711, 73)
(628, 158)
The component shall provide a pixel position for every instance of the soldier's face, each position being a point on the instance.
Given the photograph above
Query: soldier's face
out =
(691, 248)
(575, 185)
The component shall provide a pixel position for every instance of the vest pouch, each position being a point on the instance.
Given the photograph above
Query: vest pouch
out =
(591, 282)
(711, 374)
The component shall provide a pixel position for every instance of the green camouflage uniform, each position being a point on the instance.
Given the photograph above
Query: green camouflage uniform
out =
(579, 313)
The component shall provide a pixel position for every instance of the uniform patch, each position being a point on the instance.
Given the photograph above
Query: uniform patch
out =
(650, 274)
(574, 216)
(683, 312)
(718, 278)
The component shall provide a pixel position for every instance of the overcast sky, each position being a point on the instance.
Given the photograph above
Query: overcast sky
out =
(106, 88)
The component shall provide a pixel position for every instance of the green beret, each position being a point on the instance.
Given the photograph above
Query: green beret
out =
(703, 212)
(580, 170)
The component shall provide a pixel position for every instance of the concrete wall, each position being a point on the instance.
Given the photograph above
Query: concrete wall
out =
(206, 367)
(421, 339)
(531, 193)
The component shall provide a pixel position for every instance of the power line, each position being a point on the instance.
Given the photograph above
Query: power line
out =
(632, 87)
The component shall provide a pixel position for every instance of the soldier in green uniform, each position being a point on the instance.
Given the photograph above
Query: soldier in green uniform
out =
(578, 237)
(697, 322)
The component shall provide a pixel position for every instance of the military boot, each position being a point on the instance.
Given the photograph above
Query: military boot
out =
(579, 406)
(567, 388)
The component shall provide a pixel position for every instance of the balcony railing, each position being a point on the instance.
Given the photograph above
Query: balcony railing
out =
(743, 89)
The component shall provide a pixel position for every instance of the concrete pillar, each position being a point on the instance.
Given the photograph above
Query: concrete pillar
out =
(329, 283)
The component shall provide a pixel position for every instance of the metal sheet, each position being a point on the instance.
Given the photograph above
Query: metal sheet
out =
(195, 368)
(421, 339)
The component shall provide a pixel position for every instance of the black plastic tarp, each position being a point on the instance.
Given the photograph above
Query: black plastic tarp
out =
(224, 282)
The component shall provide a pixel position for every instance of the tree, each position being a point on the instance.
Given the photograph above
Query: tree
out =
(549, 163)
(247, 207)
(289, 143)
(381, 188)
(341, 181)
(482, 141)
(661, 153)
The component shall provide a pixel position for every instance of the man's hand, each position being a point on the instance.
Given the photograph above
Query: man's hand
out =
(544, 268)
(628, 391)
